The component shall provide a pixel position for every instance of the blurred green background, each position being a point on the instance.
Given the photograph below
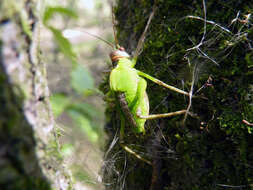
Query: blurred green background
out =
(75, 63)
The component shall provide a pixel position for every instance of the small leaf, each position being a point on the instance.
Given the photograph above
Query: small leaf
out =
(59, 103)
(25, 24)
(63, 43)
(50, 11)
(67, 149)
(249, 59)
(81, 80)
(84, 108)
(84, 124)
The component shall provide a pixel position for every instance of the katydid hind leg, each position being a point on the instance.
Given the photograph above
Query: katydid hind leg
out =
(125, 112)
(126, 148)
(129, 150)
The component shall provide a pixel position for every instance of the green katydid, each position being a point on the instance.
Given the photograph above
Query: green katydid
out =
(129, 85)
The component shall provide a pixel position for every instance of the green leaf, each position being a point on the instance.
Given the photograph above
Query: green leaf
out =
(84, 108)
(84, 124)
(249, 59)
(82, 175)
(67, 149)
(25, 24)
(63, 43)
(59, 103)
(50, 11)
(81, 80)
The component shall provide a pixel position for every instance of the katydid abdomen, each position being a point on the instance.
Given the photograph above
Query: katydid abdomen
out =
(141, 106)
(125, 79)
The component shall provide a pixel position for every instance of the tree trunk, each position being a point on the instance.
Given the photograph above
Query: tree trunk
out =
(29, 157)
(211, 147)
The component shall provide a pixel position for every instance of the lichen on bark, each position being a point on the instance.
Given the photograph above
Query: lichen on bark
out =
(29, 157)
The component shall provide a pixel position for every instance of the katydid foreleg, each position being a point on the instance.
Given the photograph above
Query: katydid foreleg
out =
(157, 81)
(141, 96)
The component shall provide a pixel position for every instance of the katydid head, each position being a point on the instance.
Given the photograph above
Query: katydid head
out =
(120, 52)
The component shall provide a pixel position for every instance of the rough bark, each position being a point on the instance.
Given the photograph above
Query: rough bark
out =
(213, 149)
(29, 157)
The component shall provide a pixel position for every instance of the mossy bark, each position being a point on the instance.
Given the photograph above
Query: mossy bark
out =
(213, 148)
(29, 158)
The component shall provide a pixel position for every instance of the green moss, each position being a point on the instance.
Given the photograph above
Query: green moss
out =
(214, 147)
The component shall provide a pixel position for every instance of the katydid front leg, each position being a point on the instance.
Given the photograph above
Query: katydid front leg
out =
(143, 103)
(157, 81)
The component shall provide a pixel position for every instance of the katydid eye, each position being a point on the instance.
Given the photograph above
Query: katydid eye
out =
(115, 55)
(122, 49)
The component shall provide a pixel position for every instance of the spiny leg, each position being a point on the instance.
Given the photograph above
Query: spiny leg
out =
(157, 81)
(153, 116)
(125, 109)
(127, 149)
(163, 115)
(128, 114)
(141, 105)
(141, 94)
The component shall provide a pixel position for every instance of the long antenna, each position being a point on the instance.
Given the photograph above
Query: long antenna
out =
(98, 37)
(113, 27)
(142, 38)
